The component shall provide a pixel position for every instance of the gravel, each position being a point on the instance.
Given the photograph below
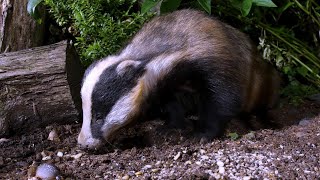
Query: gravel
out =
(292, 152)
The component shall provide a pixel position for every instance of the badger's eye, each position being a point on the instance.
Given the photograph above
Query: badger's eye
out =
(99, 121)
(98, 117)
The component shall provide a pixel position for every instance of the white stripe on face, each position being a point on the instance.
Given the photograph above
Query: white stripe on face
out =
(120, 113)
(85, 138)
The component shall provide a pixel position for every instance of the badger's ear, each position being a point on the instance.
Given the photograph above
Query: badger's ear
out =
(126, 65)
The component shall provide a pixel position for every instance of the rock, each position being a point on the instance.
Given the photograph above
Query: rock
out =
(48, 172)
(177, 156)
(220, 163)
(59, 154)
(53, 136)
(77, 156)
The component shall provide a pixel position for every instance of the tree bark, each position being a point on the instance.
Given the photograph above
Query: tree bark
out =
(38, 87)
(18, 30)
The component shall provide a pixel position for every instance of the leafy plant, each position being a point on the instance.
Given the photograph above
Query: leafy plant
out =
(284, 38)
(99, 27)
(286, 31)
(233, 136)
(244, 6)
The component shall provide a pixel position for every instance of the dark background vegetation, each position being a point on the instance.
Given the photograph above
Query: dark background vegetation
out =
(285, 31)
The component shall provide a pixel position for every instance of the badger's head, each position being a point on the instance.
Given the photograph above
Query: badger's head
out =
(113, 92)
(109, 92)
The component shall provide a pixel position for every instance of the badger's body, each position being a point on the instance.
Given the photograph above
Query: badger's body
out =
(182, 54)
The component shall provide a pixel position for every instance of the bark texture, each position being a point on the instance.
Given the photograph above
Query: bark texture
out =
(18, 30)
(38, 87)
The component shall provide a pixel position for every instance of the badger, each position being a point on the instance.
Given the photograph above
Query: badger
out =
(214, 68)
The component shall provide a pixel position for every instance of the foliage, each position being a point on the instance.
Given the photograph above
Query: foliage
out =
(233, 136)
(288, 35)
(100, 27)
(286, 31)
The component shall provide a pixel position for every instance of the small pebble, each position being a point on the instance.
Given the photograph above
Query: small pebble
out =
(138, 173)
(147, 166)
(53, 136)
(46, 158)
(177, 156)
(204, 157)
(126, 177)
(187, 162)
(60, 154)
(220, 163)
(221, 170)
(202, 151)
(155, 170)
(77, 156)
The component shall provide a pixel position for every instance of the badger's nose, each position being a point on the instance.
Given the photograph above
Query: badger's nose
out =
(90, 143)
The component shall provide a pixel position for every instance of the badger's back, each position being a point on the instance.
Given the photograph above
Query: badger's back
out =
(193, 36)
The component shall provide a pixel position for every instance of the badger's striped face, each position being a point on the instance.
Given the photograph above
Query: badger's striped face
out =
(113, 91)
(105, 97)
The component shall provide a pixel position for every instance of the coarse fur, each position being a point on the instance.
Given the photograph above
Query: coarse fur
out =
(184, 61)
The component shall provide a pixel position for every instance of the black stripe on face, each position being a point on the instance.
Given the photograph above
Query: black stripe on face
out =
(108, 90)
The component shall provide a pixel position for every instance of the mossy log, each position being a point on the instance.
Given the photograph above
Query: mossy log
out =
(38, 87)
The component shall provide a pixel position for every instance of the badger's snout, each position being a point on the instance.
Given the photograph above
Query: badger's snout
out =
(88, 142)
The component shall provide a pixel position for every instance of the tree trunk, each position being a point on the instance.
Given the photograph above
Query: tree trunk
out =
(17, 28)
(38, 87)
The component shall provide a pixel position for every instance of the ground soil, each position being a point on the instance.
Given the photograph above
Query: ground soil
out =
(150, 150)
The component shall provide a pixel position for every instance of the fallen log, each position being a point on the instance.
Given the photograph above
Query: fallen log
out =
(38, 87)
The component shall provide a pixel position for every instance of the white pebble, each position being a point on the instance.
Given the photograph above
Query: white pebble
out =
(202, 151)
(60, 154)
(53, 136)
(220, 163)
(77, 156)
(216, 175)
(246, 178)
(204, 157)
(147, 166)
(221, 170)
(48, 172)
(177, 156)
(46, 158)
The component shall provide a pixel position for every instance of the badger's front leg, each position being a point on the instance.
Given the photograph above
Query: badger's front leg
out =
(216, 109)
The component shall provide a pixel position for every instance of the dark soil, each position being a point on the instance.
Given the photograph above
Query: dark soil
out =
(152, 151)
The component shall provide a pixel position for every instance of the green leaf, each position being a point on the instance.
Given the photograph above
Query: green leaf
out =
(233, 136)
(169, 5)
(303, 71)
(206, 5)
(32, 8)
(264, 3)
(148, 4)
(246, 7)
(236, 4)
